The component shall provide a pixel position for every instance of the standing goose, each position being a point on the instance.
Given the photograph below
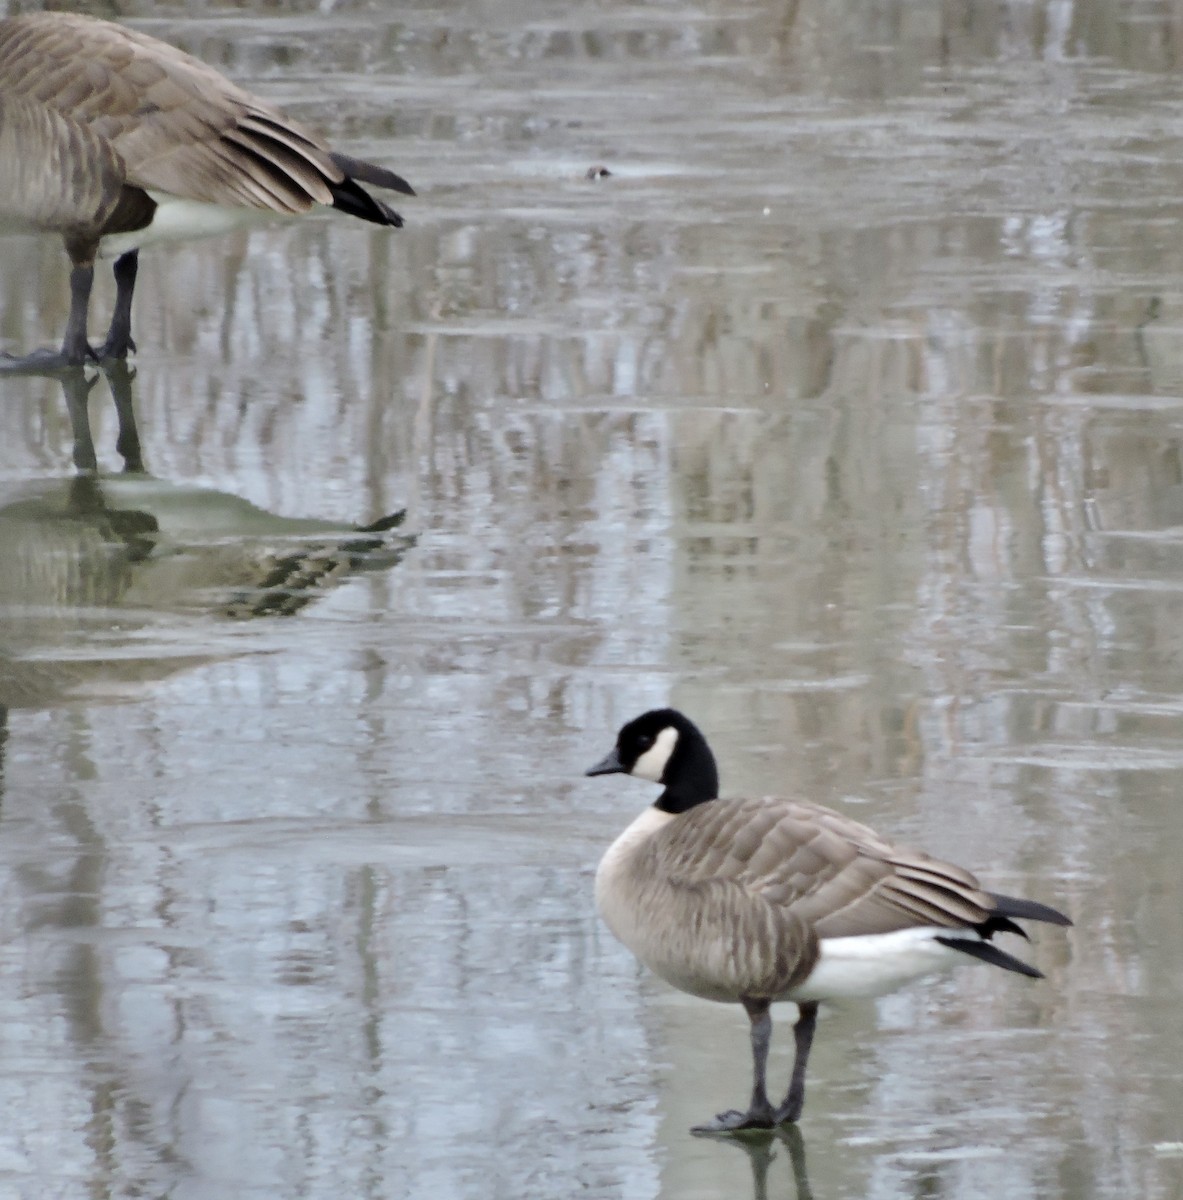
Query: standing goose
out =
(753, 901)
(115, 139)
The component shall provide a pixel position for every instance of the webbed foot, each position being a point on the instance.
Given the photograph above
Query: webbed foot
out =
(734, 1121)
(115, 348)
(42, 362)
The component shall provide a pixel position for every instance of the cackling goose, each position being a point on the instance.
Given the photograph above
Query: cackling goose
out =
(754, 901)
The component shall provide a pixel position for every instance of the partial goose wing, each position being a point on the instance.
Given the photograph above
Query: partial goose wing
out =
(180, 127)
(837, 876)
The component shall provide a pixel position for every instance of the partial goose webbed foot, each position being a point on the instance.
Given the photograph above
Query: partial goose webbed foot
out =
(44, 361)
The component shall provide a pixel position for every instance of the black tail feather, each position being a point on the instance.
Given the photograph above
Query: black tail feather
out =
(989, 953)
(1031, 910)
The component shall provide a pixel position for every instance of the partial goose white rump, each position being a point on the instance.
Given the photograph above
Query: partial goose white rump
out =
(755, 901)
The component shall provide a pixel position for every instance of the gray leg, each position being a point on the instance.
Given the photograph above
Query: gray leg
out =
(75, 350)
(760, 1114)
(790, 1110)
(119, 340)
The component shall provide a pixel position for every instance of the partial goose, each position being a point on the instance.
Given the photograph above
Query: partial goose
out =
(114, 139)
(754, 901)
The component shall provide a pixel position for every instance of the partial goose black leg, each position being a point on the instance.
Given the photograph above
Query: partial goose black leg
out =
(75, 349)
(790, 1110)
(119, 340)
(760, 1114)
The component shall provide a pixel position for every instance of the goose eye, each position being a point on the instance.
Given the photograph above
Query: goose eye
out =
(644, 742)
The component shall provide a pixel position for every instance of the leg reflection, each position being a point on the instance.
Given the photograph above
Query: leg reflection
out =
(127, 442)
(77, 385)
(760, 1147)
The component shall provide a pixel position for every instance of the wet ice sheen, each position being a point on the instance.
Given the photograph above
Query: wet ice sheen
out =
(845, 414)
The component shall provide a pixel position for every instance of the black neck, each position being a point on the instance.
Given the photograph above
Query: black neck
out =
(691, 776)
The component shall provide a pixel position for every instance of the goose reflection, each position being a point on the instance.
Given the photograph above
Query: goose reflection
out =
(132, 540)
(760, 1147)
(106, 554)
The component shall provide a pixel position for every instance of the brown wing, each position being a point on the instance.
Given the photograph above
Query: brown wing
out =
(178, 125)
(834, 874)
(707, 933)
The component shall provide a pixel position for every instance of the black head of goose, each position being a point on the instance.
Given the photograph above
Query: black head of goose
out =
(754, 901)
(113, 139)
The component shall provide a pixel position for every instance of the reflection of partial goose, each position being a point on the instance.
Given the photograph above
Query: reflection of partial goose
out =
(137, 541)
(754, 901)
(134, 541)
(115, 139)
(100, 554)
(760, 1148)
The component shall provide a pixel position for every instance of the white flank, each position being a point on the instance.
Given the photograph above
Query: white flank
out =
(177, 219)
(651, 764)
(618, 916)
(876, 963)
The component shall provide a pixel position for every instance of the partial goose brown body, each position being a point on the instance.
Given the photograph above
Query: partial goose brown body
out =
(79, 189)
(99, 124)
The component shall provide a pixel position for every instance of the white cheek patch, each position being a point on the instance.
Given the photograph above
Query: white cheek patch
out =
(651, 764)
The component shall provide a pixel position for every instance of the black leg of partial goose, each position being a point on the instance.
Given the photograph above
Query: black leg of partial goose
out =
(760, 1114)
(75, 349)
(790, 1110)
(119, 340)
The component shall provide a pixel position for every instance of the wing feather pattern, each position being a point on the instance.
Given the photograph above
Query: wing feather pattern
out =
(837, 876)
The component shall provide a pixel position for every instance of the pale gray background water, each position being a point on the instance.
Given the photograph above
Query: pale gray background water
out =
(847, 414)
